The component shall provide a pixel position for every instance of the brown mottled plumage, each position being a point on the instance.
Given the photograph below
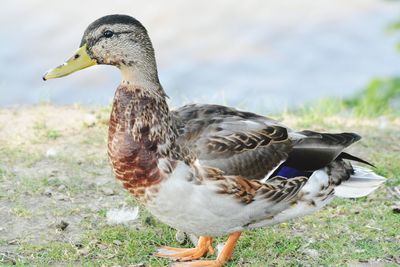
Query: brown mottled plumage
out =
(131, 147)
(209, 170)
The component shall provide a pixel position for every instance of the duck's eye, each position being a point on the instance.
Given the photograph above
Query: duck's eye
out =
(108, 34)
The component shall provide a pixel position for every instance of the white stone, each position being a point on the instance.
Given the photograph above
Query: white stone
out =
(90, 120)
(51, 152)
(311, 252)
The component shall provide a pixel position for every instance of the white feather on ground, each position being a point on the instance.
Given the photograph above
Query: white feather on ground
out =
(122, 216)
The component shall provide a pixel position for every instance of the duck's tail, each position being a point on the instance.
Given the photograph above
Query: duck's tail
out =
(361, 183)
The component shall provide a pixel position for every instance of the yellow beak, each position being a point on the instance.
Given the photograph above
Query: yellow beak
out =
(78, 61)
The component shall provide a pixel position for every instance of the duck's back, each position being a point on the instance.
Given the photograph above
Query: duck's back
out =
(254, 146)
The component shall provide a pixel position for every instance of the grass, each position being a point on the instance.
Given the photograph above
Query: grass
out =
(381, 97)
(43, 132)
(21, 212)
(344, 233)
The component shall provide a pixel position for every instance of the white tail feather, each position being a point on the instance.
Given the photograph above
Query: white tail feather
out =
(363, 182)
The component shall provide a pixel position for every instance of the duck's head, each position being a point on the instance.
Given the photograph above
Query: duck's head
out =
(118, 40)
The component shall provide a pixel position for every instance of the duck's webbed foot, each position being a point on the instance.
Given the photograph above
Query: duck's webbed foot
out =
(222, 258)
(209, 263)
(203, 247)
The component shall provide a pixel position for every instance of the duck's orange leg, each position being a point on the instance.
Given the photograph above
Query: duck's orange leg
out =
(222, 258)
(187, 254)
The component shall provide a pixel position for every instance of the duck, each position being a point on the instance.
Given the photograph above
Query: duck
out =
(206, 169)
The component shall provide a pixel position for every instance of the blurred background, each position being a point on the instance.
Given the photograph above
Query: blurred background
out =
(262, 55)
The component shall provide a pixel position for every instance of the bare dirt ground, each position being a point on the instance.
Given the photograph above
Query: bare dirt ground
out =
(53, 168)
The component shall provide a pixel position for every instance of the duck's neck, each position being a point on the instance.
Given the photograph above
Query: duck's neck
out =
(140, 74)
(142, 97)
(140, 132)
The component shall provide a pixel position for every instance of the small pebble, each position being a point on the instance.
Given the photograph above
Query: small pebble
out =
(61, 197)
(83, 251)
(62, 225)
(12, 242)
(47, 192)
(53, 173)
(117, 242)
(51, 153)
(194, 239)
(91, 186)
(311, 252)
(90, 120)
(396, 259)
(180, 237)
(107, 191)
(62, 188)
(102, 246)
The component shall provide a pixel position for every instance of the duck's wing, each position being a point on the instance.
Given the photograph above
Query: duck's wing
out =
(237, 142)
(250, 145)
